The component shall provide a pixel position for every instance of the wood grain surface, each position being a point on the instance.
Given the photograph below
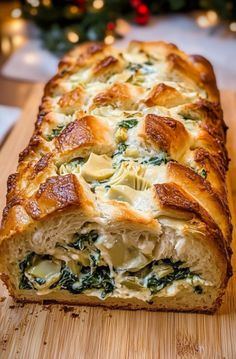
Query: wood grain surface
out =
(58, 332)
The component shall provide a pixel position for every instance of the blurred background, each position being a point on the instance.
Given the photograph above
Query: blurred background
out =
(35, 33)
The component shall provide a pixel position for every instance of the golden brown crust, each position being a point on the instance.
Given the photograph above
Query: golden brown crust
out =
(76, 134)
(104, 64)
(166, 134)
(119, 95)
(54, 194)
(174, 201)
(164, 95)
(202, 191)
(207, 75)
(42, 163)
(85, 132)
(11, 185)
(183, 68)
(73, 99)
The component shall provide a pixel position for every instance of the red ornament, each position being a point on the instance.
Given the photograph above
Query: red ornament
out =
(142, 9)
(142, 14)
(135, 3)
(110, 26)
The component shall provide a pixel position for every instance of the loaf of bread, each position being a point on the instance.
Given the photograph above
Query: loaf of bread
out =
(120, 198)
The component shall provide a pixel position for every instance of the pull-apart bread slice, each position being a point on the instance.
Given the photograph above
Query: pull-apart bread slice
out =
(120, 198)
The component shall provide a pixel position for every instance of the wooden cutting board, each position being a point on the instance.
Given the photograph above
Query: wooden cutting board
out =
(53, 332)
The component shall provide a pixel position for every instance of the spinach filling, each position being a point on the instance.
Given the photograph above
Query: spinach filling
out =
(27, 262)
(162, 273)
(25, 283)
(75, 277)
(160, 158)
(128, 123)
(156, 276)
(85, 241)
(98, 277)
(55, 132)
(134, 67)
(120, 149)
(67, 278)
(203, 173)
(155, 283)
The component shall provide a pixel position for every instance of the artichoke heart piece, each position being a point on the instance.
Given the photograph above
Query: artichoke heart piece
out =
(162, 270)
(140, 200)
(97, 168)
(121, 134)
(125, 194)
(121, 193)
(132, 283)
(47, 271)
(130, 175)
(124, 255)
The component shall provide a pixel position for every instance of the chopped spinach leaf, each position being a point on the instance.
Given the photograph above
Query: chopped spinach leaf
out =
(95, 258)
(98, 279)
(134, 66)
(128, 123)
(157, 160)
(67, 279)
(155, 284)
(204, 173)
(149, 277)
(25, 283)
(55, 132)
(120, 149)
(83, 240)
